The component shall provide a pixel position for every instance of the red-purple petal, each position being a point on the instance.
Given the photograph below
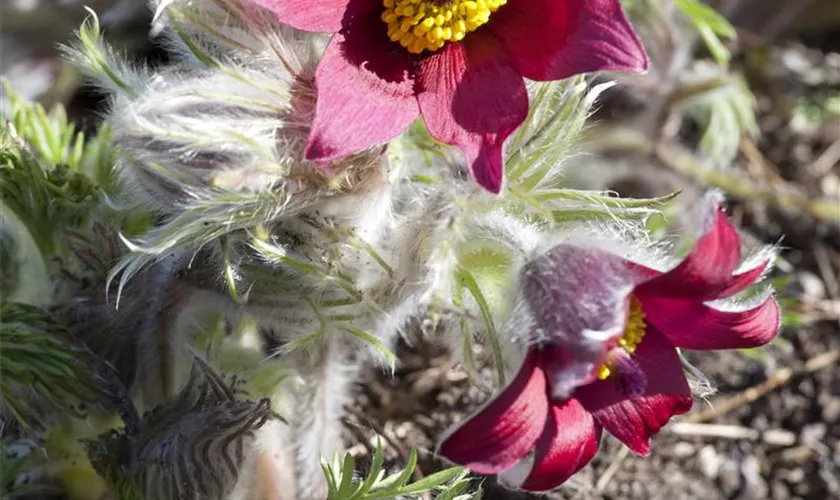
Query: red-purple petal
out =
(569, 442)
(471, 97)
(634, 420)
(555, 39)
(566, 372)
(301, 14)
(579, 298)
(706, 272)
(365, 93)
(499, 435)
(698, 326)
(737, 282)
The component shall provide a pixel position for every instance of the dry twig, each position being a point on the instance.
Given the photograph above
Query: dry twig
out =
(776, 380)
(774, 437)
(401, 450)
(607, 476)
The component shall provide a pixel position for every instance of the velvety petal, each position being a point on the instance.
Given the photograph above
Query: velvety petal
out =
(694, 325)
(505, 430)
(633, 379)
(634, 420)
(301, 14)
(737, 282)
(365, 93)
(565, 372)
(579, 298)
(706, 272)
(555, 39)
(643, 273)
(471, 97)
(569, 442)
(725, 288)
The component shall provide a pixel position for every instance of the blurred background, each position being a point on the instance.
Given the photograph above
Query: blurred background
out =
(747, 103)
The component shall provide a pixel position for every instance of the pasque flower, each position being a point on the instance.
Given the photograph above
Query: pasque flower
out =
(604, 353)
(458, 63)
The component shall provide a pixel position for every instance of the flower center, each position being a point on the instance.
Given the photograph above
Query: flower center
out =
(420, 25)
(631, 338)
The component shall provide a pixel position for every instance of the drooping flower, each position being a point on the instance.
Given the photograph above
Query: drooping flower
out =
(605, 355)
(458, 63)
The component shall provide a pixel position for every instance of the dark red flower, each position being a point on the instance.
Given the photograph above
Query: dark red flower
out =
(458, 63)
(606, 354)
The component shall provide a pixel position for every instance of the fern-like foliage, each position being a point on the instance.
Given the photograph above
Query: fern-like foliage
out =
(54, 140)
(723, 107)
(191, 448)
(45, 200)
(40, 371)
(711, 25)
(54, 189)
(344, 484)
(20, 464)
(557, 115)
(704, 91)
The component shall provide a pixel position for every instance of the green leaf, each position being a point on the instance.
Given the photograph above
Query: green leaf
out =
(38, 367)
(467, 280)
(432, 481)
(711, 25)
(724, 108)
(52, 138)
(48, 200)
(375, 472)
(370, 339)
(91, 55)
(455, 489)
(346, 489)
(328, 474)
(20, 462)
(396, 481)
(342, 485)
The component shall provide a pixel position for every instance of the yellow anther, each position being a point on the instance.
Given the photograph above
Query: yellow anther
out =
(633, 334)
(603, 372)
(420, 25)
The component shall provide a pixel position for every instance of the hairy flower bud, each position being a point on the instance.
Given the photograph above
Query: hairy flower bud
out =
(191, 448)
(231, 115)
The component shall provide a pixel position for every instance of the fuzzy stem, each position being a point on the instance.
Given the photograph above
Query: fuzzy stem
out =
(315, 417)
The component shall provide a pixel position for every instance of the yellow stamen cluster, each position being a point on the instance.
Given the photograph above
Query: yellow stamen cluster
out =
(420, 25)
(632, 336)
